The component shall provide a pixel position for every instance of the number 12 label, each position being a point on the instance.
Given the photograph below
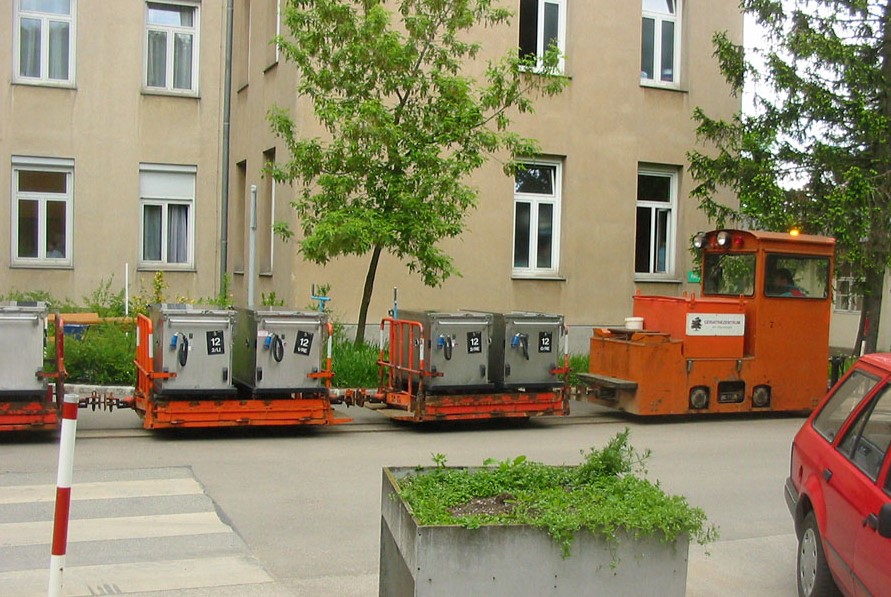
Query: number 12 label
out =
(215, 344)
(544, 341)
(303, 344)
(474, 342)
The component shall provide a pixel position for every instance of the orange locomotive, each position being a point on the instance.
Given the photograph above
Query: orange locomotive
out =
(756, 339)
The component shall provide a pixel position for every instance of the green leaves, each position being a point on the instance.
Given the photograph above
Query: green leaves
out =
(405, 124)
(815, 152)
(605, 494)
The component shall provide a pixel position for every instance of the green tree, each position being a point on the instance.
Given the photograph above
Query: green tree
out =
(406, 124)
(815, 152)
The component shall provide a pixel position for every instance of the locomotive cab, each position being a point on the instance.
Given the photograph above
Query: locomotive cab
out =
(755, 339)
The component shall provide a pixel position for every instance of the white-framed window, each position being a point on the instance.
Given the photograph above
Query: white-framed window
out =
(266, 217)
(42, 211)
(44, 35)
(273, 30)
(171, 46)
(542, 23)
(167, 222)
(845, 297)
(660, 46)
(537, 197)
(656, 224)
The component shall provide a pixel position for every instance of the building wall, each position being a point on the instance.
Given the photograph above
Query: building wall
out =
(108, 125)
(603, 126)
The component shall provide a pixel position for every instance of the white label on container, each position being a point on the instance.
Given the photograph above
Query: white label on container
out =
(716, 324)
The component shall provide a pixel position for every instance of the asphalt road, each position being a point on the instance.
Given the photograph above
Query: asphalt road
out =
(297, 511)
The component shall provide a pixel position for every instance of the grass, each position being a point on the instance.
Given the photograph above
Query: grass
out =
(605, 494)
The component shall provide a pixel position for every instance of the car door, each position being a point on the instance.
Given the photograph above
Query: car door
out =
(842, 484)
(869, 454)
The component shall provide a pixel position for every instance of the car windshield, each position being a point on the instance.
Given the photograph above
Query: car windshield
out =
(842, 403)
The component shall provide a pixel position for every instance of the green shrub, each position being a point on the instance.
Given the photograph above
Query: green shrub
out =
(104, 356)
(105, 302)
(578, 363)
(354, 366)
(607, 493)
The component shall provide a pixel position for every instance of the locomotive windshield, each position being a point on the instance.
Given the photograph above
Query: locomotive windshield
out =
(730, 274)
(796, 276)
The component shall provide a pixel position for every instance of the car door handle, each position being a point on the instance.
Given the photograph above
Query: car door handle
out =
(871, 521)
(827, 474)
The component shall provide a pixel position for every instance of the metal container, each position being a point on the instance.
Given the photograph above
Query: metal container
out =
(456, 349)
(526, 348)
(196, 344)
(22, 342)
(277, 351)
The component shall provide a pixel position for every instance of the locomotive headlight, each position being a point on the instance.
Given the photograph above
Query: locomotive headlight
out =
(699, 240)
(699, 396)
(723, 238)
(761, 396)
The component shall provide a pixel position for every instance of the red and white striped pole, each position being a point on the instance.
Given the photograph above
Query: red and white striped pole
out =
(63, 493)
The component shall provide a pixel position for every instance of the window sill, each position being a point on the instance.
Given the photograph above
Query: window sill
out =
(41, 265)
(270, 67)
(537, 70)
(650, 280)
(46, 84)
(538, 277)
(155, 267)
(650, 84)
(165, 93)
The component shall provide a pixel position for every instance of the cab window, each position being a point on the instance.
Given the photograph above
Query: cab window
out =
(866, 441)
(796, 276)
(730, 274)
(842, 403)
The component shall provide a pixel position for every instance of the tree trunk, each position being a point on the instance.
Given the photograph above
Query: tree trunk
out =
(877, 247)
(868, 333)
(366, 294)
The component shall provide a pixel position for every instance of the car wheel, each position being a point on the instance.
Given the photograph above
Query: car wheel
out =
(814, 578)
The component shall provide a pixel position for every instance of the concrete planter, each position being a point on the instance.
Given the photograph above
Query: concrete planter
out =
(516, 560)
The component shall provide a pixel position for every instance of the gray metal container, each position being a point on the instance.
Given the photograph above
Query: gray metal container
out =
(456, 349)
(195, 343)
(276, 351)
(526, 348)
(22, 342)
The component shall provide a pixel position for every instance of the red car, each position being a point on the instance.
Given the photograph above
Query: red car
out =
(839, 487)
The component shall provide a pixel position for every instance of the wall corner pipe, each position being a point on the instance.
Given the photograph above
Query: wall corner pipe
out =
(224, 185)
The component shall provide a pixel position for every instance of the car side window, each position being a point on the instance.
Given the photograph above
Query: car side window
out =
(866, 441)
(842, 403)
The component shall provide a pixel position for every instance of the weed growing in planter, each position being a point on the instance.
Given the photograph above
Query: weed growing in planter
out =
(606, 494)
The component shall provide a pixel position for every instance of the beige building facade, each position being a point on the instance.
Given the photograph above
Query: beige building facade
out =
(613, 216)
(119, 158)
(110, 145)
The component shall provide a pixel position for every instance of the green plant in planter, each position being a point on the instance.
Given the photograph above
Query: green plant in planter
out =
(606, 494)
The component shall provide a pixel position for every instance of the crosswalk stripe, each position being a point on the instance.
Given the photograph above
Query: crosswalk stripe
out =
(101, 490)
(108, 529)
(141, 577)
(168, 523)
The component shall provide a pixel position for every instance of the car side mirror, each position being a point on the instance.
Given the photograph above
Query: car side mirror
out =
(884, 526)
